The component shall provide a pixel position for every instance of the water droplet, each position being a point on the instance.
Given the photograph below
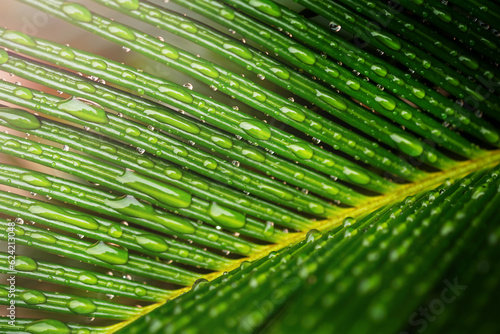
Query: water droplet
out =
(67, 53)
(452, 80)
(227, 217)
(24, 263)
(189, 27)
(99, 64)
(84, 111)
(391, 42)
(406, 114)
(210, 164)
(33, 297)
(316, 208)
(335, 27)
(4, 56)
(266, 7)
(222, 141)
(53, 212)
(36, 180)
(121, 31)
(227, 13)
(179, 123)
(173, 173)
(334, 101)
(256, 129)
(312, 235)
(303, 54)
(491, 136)
(302, 150)
(87, 278)
(418, 92)
(20, 119)
(109, 253)
(259, 96)
(238, 50)
(330, 189)
(129, 205)
(379, 70)
(180, 151)
(407, 144)
(176, 93)
(77, 12)
(268, 229)
(128, 4)
(469, 62)
(115, 231)
(207, 70)
(81, 305)
(47, 327)
(281, 72)
(293, 113)
(253, 154)
(385, 102)
(356, 176)
(19, 38)
(198, 284)
(151, 242)
(353, 84)
(140, 291)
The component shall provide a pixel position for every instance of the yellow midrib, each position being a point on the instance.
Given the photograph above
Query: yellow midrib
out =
(488, 160)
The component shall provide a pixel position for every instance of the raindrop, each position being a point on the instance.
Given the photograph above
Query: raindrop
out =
(335, 27)
(188, 85)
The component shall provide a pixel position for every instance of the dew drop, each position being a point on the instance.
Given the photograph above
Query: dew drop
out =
(151, 242)
(33, 297)
(266, 7)
(19, 118)
(335, 27)
(301, 150)
(227, 217)
(109, 253)
(256, 129)
(47, 327)
(84, 111)
(77, 12)
(81, 305)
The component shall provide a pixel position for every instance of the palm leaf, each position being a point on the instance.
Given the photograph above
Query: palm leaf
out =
(323, 167)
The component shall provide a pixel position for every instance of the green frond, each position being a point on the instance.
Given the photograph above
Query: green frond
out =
(251, 166)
